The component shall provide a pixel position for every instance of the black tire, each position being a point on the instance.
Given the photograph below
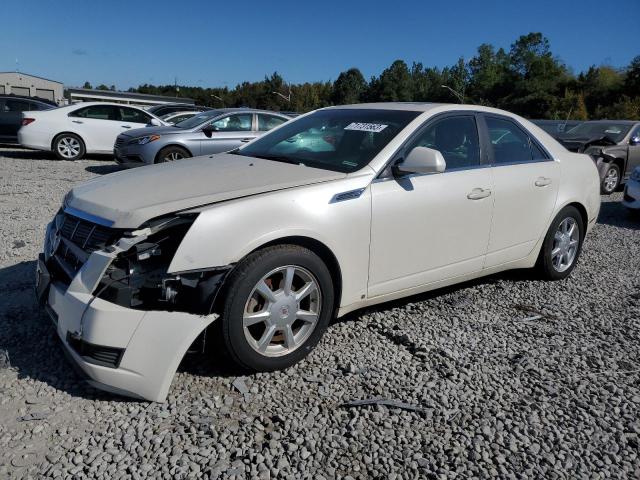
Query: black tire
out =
(238, 292)
(172, 153)
(69, 146)
(607, 183)
(545, 264)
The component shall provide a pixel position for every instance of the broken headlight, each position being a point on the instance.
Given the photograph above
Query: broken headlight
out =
(138, 278)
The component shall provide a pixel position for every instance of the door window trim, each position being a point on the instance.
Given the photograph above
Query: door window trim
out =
(532, 140)
(385, 172)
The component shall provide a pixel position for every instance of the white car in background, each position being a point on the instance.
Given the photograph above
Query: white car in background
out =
(271, 241)
(75, 130)
(175, 117)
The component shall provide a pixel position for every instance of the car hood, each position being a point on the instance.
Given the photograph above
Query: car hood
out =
(141, 132)
(127, 199)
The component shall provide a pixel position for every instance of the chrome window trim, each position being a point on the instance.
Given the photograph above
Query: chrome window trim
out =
(412, 175)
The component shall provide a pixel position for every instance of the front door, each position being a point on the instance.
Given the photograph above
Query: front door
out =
(228, 133)
(427, 228)
(525, 181)
(634, 152)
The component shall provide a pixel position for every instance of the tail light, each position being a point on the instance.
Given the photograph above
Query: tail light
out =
(27, 121)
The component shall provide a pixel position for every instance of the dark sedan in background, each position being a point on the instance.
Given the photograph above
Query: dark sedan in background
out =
(11, 108)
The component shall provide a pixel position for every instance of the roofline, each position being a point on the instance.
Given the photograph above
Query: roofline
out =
(35, 76)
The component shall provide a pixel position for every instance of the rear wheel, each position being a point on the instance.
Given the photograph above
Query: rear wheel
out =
(562, 245)
(68, 146)
(611, 179)
(171, 154)
(278, 304)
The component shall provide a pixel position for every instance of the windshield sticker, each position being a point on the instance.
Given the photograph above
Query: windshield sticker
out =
(351, 164)
(366, 127)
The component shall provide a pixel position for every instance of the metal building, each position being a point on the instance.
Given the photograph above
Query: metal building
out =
(18, 83)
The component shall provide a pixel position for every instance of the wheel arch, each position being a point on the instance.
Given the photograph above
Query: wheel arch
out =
(317, 247)
(67, 132)
(182, 147)
(583, 213)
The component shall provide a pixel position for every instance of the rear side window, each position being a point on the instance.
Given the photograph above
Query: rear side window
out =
(97, 112)
(16, 106)
(511, 144)
(267, 122)
(133, 115)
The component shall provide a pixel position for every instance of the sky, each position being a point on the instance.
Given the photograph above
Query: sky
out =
(215, 44)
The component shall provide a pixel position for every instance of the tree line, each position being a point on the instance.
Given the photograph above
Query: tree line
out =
(527, 79)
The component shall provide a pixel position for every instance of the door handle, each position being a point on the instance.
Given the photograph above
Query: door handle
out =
(542, 182)
(125, 126)
(479, 193)
(246, 140)
(77, 121)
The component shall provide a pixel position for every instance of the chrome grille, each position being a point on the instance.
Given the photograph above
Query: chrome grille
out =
(78, 239)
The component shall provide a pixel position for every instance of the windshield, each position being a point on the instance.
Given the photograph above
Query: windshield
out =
(589, 130)
(198, 119)
(343, 140)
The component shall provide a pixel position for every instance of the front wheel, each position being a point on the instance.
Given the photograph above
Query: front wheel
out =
(171, 154)
(278, 303)
(562, 245)
(611, 180)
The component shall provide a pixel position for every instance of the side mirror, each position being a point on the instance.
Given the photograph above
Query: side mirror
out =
(154, 122)
(208, 130)
(635, 140)
(421, 160)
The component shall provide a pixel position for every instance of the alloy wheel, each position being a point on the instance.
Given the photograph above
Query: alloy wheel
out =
(610, 181)
(68, 147)
(282, 311)
(173, 156)
(565, 244)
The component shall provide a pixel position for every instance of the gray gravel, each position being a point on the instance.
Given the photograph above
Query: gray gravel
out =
(505, 377)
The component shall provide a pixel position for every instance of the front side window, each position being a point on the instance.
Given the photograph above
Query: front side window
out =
(134, 116)
(455, 137)
(510, 143)
(233, 123)
(342, 140)
(97, 112)
(267, 122)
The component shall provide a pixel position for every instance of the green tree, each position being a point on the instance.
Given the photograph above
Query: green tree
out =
(394, 85)
(349, 87)
(87, 85)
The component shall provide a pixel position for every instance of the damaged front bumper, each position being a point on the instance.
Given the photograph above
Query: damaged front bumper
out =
(129, 351)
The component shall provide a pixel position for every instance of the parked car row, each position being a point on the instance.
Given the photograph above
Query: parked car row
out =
(327, 213)
(138, 136)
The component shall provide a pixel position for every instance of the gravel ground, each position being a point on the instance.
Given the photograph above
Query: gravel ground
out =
(504, 377)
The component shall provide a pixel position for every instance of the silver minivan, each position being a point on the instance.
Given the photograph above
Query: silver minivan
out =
(213, 131)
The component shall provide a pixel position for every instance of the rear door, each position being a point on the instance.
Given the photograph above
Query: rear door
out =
(229, 132)
(133, 118)
(266, 122)
(98, 125)
(526, 181)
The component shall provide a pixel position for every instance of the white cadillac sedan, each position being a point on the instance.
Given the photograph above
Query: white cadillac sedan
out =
(75, 130)
(271, 241)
